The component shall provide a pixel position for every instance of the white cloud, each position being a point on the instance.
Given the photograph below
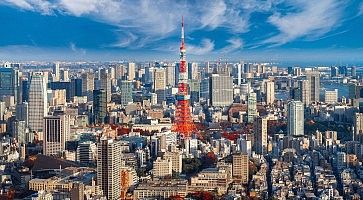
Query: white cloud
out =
(314, 19)
(233, 45)
(206, 46)
(75, 49)
(360, 9)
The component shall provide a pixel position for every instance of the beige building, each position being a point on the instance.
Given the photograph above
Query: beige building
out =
(331, 97)
(56, 130)
(240, 168)
(176, 160)
(88, 86)
(161, 189)
(131, 71)
(270, 92)
(210, 179)
(162, 168)
(58, 98)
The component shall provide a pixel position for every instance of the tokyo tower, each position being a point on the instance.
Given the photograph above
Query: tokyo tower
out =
(183, 123)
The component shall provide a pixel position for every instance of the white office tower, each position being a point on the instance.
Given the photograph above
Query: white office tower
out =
(56, 132)
(244, 146)
(131, 71)
(221, 90)
(260, 132)
(239, 73)
(109, 167)
(305, 94)
(251, 107)
(341, 160)
(37, 102)
(295, 118)
(270, 92)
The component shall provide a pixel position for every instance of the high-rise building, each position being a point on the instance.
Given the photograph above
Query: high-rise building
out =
(162, 168)
(56, 74)
(358, 127)
(204, 90)
(99, 106)
(159, 84)
(170, 75)
(240, 167)
(270, 92)
(109, 167)
(56, 132)
(106, 83)
(314, 79)
(193, 71)
(120, 71)
(9, 82)
(194, 90)
(131, 71)
(295, 118)
(86, 153)
(64, 75)
(176, 161)
(126, 88)
(251, 107)
(88, 81)
(304, 92)
(76, 87)
(221, 90)
(19, 132)
(22, 112)
(334, 71)
(239, 73)
(37, 107)
(260, 132)
(331, 96)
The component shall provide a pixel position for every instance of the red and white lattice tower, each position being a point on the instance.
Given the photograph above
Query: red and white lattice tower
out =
(183, 123)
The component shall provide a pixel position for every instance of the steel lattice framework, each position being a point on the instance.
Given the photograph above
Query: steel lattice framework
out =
(183, 123)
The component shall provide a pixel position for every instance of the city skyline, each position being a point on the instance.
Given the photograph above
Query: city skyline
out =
(273, 31)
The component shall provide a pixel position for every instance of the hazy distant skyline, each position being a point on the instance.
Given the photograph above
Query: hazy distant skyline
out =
(305, 31)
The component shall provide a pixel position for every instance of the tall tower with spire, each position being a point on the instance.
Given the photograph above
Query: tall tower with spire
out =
(183, 124)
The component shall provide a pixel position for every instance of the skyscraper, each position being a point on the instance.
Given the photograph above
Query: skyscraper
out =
(170, 74)
(270, 92)
(304, 92)
(56, 74)
(126, 88)
(260, 132)
(99, 106)
(131, 71)
(240, 167)
(295, 118)
(221, 90)
(37, 102)
(106, 83)
(109, 167)
(358, 127)
(251, 107)
(56, 132)
(239, 73)
(159, 84)
(314, 79)
(331, 96)
(9, 82)
(76, 87)
(88, 80)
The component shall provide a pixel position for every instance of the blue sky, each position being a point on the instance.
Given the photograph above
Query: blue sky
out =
(311, 31)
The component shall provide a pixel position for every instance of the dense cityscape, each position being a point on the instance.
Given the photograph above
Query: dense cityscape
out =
(181, 100)
(180, 130)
